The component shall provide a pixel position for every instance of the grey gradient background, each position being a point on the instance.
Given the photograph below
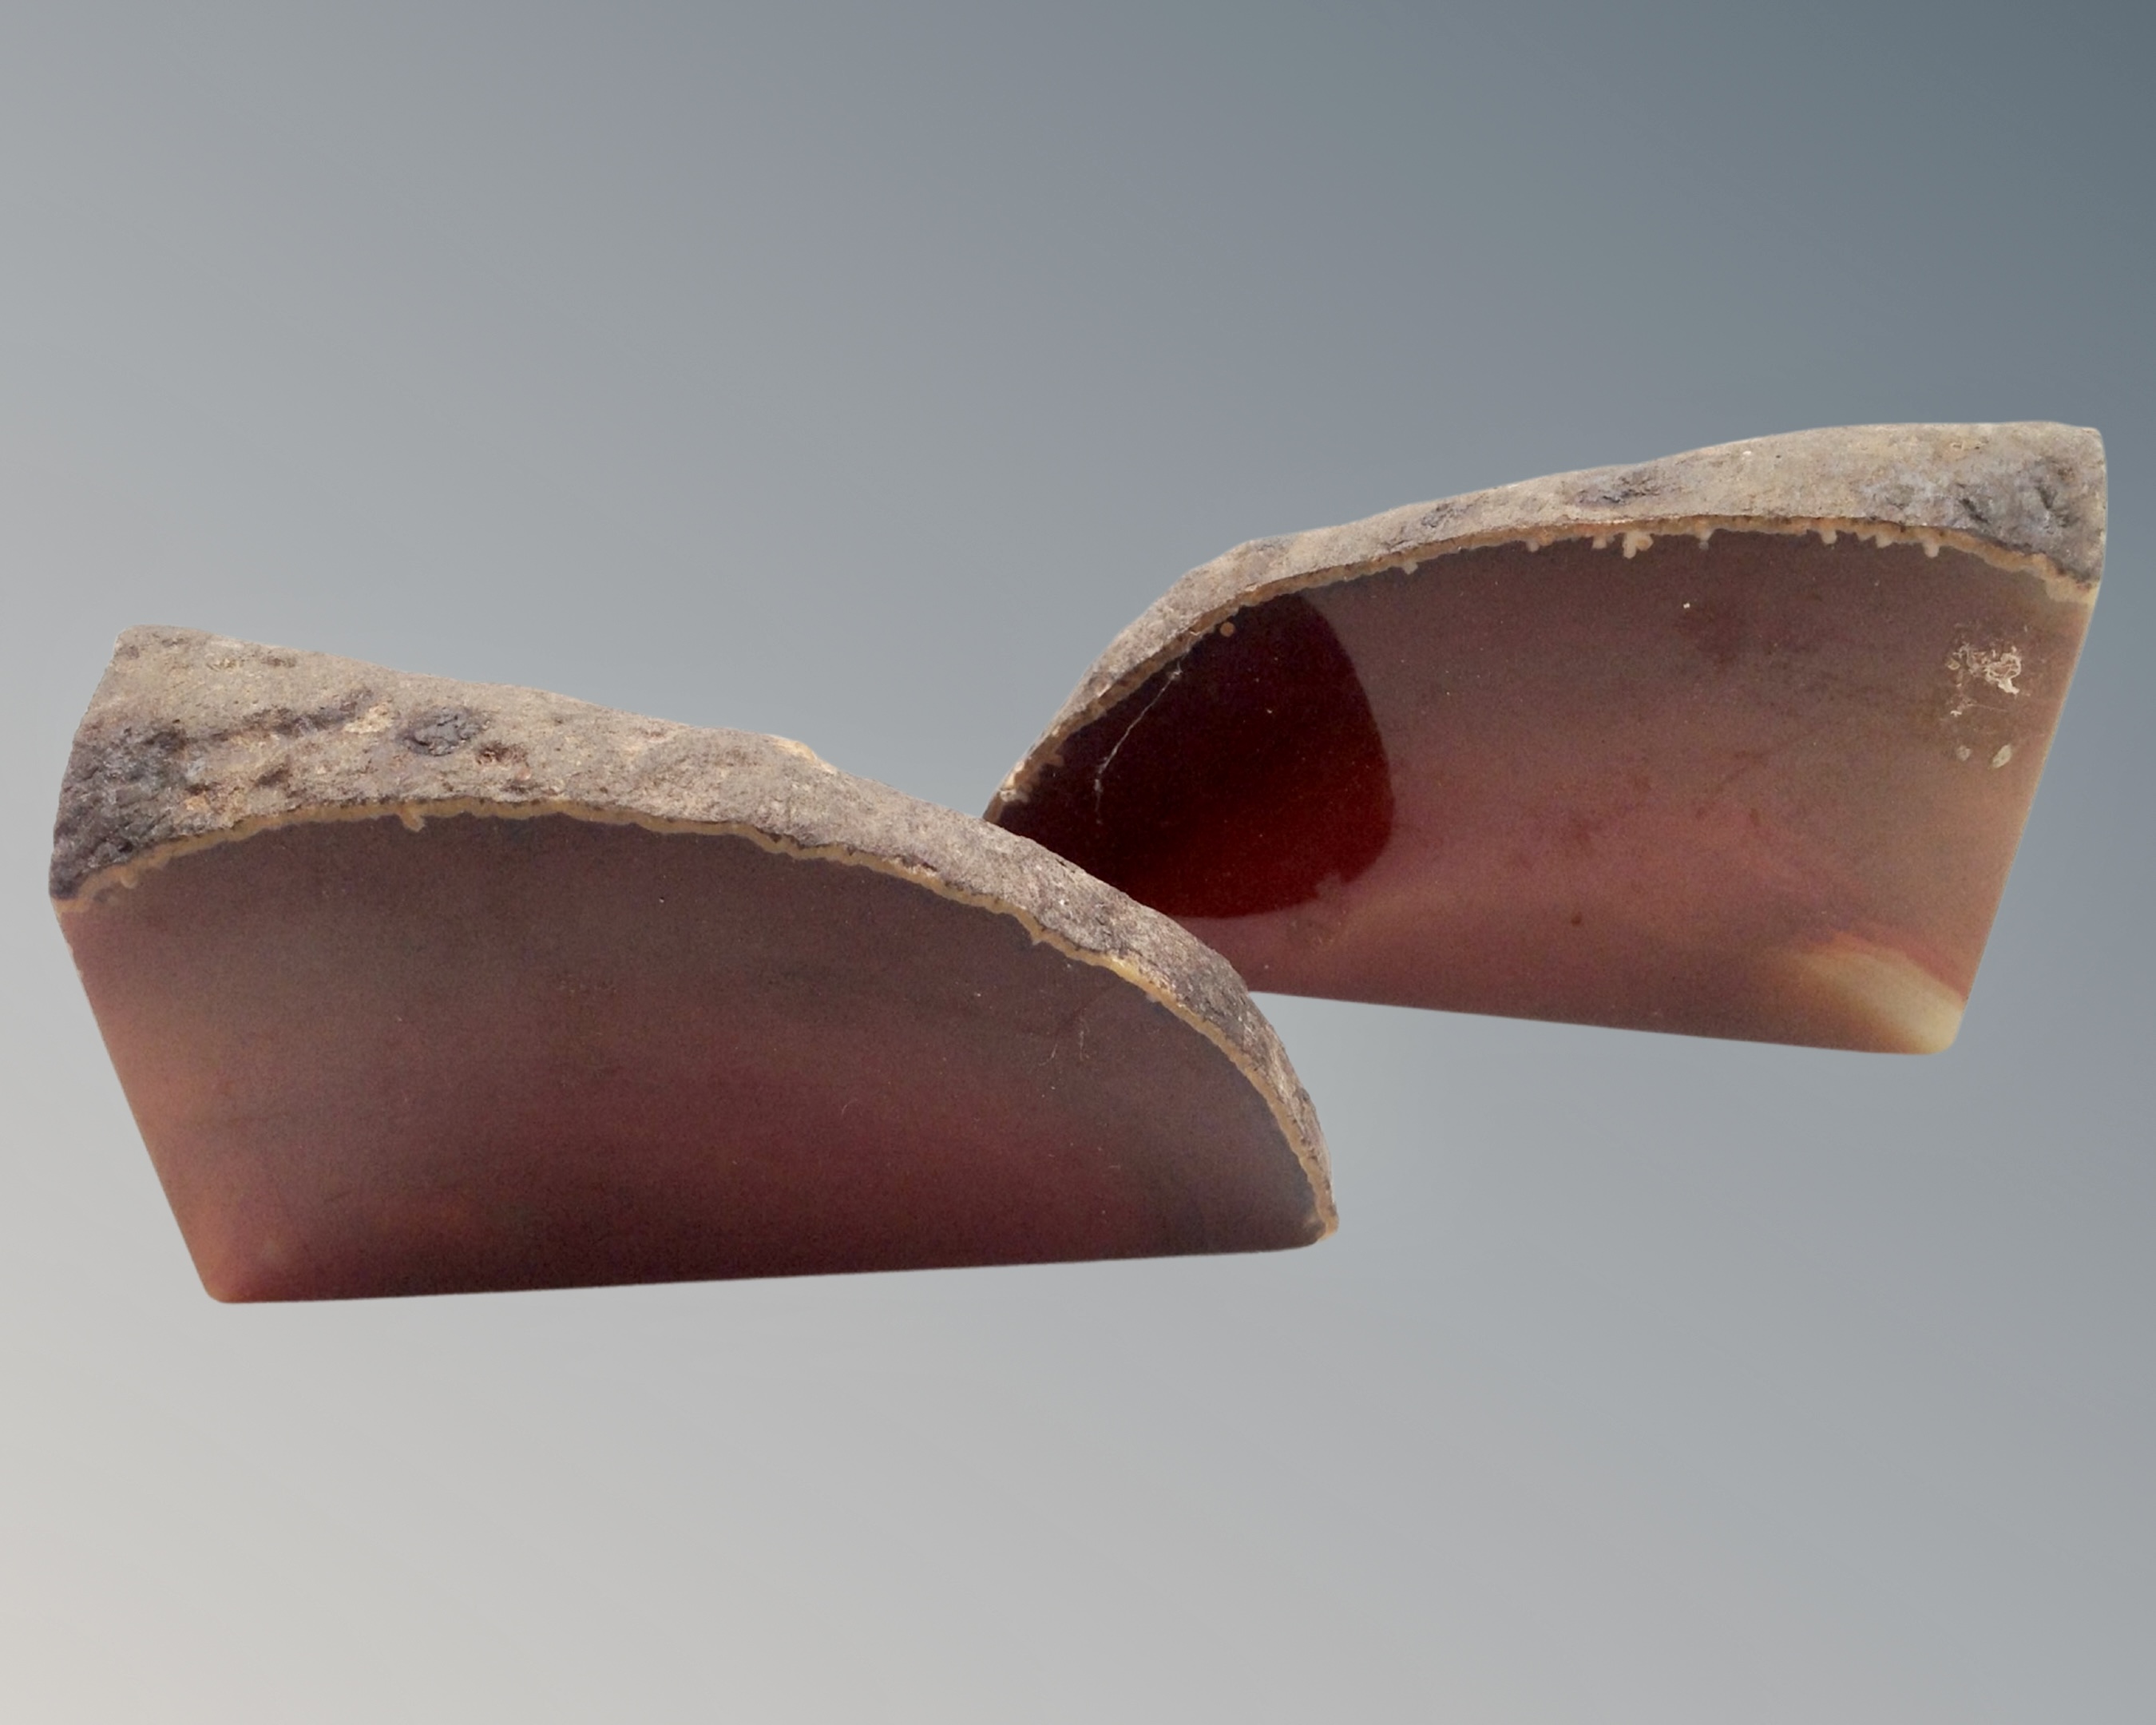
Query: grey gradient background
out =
(854, 373)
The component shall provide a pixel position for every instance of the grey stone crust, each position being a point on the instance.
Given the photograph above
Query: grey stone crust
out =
(2029, 493)
(192, 740)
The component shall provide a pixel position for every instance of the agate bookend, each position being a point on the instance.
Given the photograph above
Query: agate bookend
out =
(1738, 743)
(422, 986)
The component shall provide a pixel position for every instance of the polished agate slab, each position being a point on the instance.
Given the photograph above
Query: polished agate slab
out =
(1739, 744)
(421, 987)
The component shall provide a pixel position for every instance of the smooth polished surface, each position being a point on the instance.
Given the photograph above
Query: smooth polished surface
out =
(1753, 784)
(550, 1052)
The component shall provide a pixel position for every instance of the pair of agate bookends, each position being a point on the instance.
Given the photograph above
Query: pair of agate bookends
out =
(417, 986)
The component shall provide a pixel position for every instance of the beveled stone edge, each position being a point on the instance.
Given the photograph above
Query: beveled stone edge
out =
(352, 755)
(2026, 496)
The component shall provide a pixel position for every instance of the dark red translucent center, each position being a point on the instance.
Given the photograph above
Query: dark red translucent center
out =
(1240, 779)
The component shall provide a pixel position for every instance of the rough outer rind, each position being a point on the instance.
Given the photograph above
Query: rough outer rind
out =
(193, 739)
(2028, 495)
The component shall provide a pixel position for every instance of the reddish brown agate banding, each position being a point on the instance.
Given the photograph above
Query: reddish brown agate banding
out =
(423, 987)
(1740, 743)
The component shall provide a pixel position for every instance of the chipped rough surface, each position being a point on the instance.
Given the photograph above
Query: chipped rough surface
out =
(193, 739)
(2028, 494)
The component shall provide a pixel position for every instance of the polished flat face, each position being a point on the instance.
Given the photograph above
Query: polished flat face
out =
(509, 1054)
(1766, 787)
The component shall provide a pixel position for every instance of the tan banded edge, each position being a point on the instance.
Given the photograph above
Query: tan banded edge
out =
(2059, 585)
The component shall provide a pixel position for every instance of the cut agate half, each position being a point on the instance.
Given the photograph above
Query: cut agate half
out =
(1737, 743)
(418, 987)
